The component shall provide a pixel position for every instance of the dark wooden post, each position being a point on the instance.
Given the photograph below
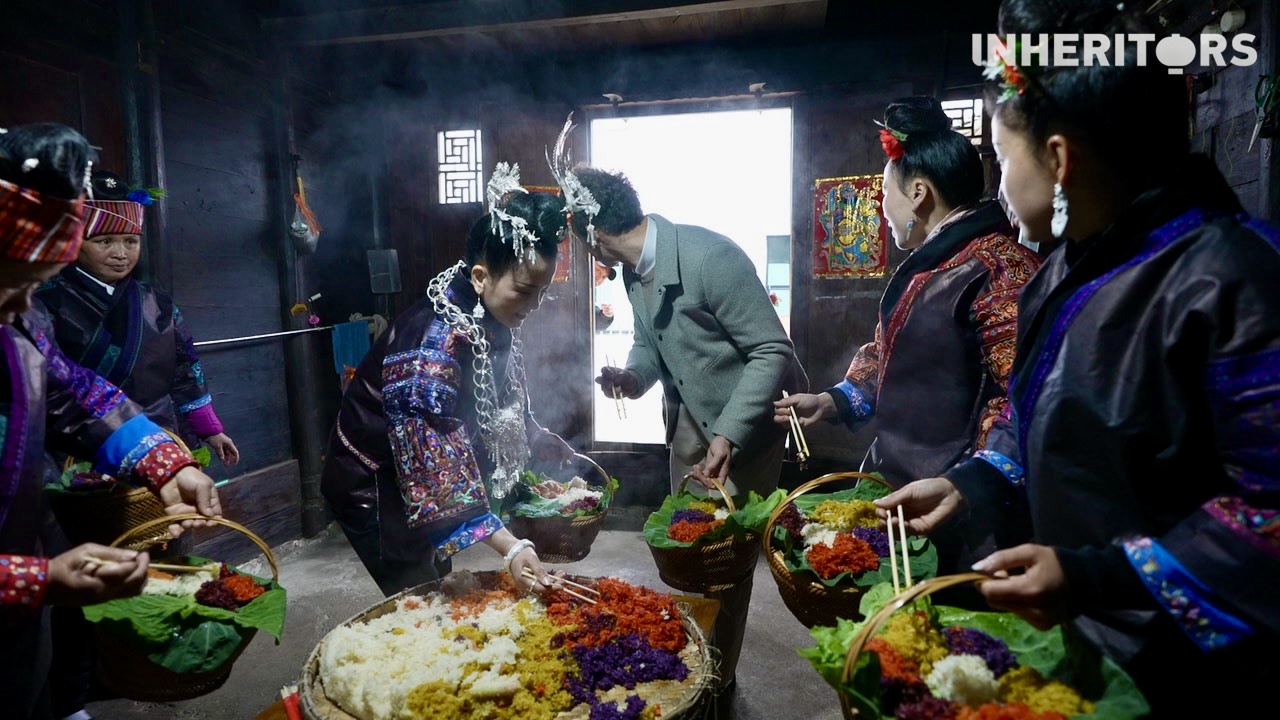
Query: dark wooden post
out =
(306, 424)
(137, 53)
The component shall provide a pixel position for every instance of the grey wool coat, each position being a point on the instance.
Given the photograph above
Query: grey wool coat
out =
(713, 338)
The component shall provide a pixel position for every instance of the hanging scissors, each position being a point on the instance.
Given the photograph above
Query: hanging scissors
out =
(1266, 97)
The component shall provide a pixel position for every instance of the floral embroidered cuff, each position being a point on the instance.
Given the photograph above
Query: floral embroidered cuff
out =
(852, 407)
(1187, 600)
(1006, 465)
(23, 580)
(164, 461)
(472, 531)
(125, 447)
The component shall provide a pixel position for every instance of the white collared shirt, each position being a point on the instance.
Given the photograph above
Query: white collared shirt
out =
(111, 289)
(649, 253)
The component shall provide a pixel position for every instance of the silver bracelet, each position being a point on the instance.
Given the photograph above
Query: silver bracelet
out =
(514, 551)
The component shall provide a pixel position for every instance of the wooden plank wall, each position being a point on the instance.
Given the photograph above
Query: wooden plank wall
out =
(1224, 114)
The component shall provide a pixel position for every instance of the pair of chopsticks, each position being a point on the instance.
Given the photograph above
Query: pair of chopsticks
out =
(619, 405)
(893, 558)
(532, 576)
(802, 445)
(158, 566)
(292, 706)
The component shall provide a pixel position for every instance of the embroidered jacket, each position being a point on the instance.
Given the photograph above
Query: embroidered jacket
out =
(406, 444)
(936, 373)
(48, 402)
(136, 338)
(1143, 432)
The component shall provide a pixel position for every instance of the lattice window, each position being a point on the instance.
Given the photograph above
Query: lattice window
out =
(966, 117)
(460, 166)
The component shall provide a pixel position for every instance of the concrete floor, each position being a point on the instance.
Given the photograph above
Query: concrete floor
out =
(327, 584)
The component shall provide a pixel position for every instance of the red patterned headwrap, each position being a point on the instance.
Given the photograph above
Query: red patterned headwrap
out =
(113, 217)
(39, 228)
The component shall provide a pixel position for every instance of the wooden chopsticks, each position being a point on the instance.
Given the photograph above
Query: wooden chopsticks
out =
(802, 445)
(530, 575)
(159, 566)
(618, 403)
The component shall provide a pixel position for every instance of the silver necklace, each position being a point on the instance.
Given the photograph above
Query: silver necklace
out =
(503, 430)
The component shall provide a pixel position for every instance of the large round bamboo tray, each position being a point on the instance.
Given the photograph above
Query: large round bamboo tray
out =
(712, 566)
(683, 702)
(563, 539)
(122, 663)
(877, 621)
(812, 602)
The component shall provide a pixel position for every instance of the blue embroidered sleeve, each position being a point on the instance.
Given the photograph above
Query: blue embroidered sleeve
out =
(471, 532)
(435, 464)
(127, 445)
(852, 405)
(1006, 465)
(1195, 607)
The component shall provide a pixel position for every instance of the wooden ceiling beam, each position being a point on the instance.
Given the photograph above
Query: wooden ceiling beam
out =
(462, 17)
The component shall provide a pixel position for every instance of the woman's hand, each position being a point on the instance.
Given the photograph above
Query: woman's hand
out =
(76, 577)
(190, 491)
(224, 448)
(926, 504)
(550, 448)
(524, 560)
(1037, 595)
(809, 408)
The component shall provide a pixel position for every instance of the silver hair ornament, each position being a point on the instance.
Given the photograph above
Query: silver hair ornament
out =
(502, 430)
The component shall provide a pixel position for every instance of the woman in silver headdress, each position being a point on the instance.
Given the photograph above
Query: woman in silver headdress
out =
(436, 423)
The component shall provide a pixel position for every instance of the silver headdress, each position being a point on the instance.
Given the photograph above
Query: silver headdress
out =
(506, 180)
(577, 198)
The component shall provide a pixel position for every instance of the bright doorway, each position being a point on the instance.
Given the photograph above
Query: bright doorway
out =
(729, 172)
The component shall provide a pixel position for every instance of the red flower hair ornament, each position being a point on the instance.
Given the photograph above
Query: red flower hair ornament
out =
(891, 141)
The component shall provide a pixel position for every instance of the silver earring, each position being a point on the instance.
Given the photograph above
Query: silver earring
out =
(479, 311)
(1059, 224)
(910, 226)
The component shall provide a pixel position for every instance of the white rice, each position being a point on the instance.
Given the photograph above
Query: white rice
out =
(370, 668)
(181, 583)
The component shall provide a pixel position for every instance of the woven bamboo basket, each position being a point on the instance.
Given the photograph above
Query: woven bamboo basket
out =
(812, 602)
(679, 701)
(122, 663)
(877, 621)
(708, 567)
(97, 518)
(563, 539)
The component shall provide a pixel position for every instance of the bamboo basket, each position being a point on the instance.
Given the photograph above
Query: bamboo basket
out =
(122, 663)
(812, 602)
(97, 518)
(683, 701)
(563, 539)
(877, 621)
(712, 566)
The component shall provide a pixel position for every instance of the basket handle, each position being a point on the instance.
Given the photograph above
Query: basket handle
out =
(875, 622)
(170, 519)
(728, 501)
(594, 465)
(807, 487)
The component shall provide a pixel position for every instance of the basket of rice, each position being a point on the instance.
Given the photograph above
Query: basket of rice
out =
(825, 549)
(180, 638)
(470, 646)
(704, 544)
(914, 660)
(562, 519)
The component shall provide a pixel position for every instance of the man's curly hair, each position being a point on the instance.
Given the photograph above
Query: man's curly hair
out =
(619, 205)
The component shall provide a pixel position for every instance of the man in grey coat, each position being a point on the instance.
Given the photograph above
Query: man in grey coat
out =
(705, 327)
